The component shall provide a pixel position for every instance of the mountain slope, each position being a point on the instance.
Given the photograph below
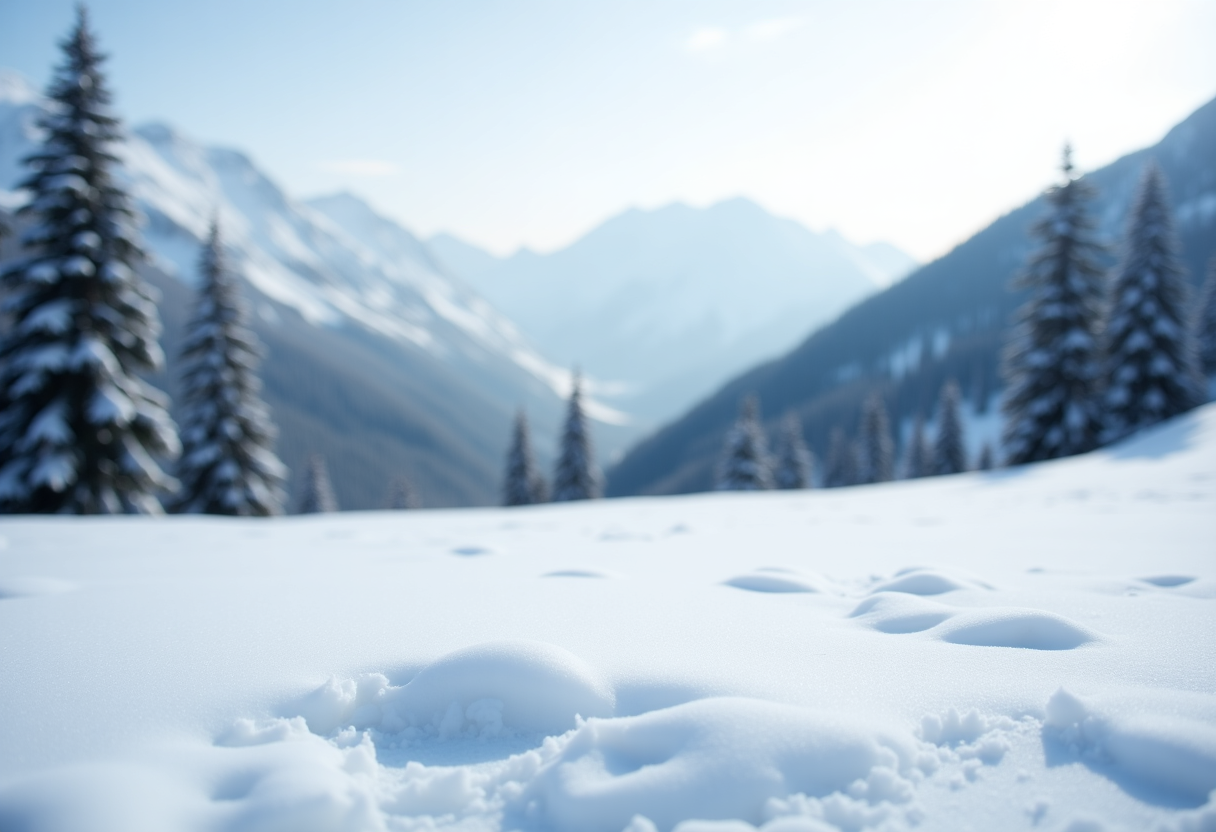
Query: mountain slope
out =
(946, 320)
(377, 359)
(673, 301)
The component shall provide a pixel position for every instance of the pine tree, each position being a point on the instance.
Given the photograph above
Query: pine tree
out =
(576, 476)
(794, 462)
(401, 495)
(919, 462)
(949, 449)
(842, 465)
(79, 429)
(1205, 323)
(877, 457)
(985, 462)
(1152, 368)
(317, 494)
(228, 464)
(523, 484)
(1052, 359)
(745, 463)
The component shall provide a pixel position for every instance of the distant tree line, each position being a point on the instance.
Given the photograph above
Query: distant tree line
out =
(1091, 357)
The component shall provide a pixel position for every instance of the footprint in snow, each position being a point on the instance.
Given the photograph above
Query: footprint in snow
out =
(978, 627)
(577, 573)
(471, 551)
(1168, 581)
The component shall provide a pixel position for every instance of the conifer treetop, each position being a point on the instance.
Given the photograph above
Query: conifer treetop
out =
(949, 447)
(522, 484)
(1152, 361)
(576, 476)
(877, 448)
(1051, 361)
(794, 461)
(228, 465)
(80, 431)
(745, 464)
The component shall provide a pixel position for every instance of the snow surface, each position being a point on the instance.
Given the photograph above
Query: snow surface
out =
(1019, 649)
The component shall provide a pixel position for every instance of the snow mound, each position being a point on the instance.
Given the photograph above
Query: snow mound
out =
(30, 586)
(1015, 627)
(480, 691)
(471, 551)
(895, 612)
(716, 759)
(1164, 740)
(925, 582)
(774, 580)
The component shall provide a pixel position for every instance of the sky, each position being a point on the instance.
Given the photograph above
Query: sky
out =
(528, 123)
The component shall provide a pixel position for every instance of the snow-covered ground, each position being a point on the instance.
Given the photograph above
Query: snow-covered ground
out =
(1024, 649)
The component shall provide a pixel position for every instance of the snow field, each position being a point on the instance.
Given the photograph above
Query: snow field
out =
(1026, 649)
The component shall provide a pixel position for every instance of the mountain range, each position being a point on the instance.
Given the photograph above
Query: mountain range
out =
(946, 320)
(376, 358)
(662, 306)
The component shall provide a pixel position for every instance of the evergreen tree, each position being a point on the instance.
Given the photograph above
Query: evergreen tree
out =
(1205, 323)
(523, 484)
(317, 494)
(1152, 369)
(401, 495)
(877, 457)
(576, 476)
(79, 430)
(949, 449)
(228, 464)
(842, 465)
(985, 463)
(1052, 361)
(919, 461)
(745, 463)
(794, 462)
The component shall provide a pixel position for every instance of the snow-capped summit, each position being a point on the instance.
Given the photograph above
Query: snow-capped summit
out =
(675, 300)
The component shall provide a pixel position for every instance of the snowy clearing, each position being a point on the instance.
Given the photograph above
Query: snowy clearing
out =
(1022, 649)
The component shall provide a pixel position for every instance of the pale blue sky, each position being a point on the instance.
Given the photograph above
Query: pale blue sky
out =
(527, 123)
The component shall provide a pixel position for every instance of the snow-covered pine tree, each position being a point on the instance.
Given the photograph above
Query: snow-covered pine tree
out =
(877, 457)
(1152, 368)
(794, 462)
(919, 460)
(949, 449)
(401, 495)
(745, 463)
(841, 467)
(228, 464)
(1051, 362)
(317, 492)
(523, 484)
(79, 430)
(576, 476)
(1205, 323)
